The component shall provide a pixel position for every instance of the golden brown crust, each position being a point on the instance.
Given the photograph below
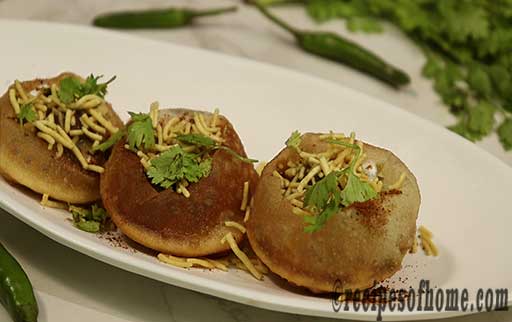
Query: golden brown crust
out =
(362, 244)
(167, 221)
(25, 158)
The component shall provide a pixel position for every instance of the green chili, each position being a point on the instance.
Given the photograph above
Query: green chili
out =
(155, 18)
(336, 48)
(16, 293)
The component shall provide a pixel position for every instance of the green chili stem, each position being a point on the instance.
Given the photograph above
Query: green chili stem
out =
(276, 20)
(213, 12)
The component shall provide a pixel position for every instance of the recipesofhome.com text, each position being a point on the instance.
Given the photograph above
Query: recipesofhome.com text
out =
(424, 298)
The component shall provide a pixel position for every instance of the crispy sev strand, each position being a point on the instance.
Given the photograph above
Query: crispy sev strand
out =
(103, 121)
(247, 214)
(184, 190)
(426, 247)
(90, 123)
(167, 127)
(76, 132)
(245, 196)
(236, 225)
(48, 138)
(21, 91)
(432, 247)
(67, 120)
(215, 116)
(217, 264)
(60, 150)
(14, 102)
(79, 156)
(300, 212)
(60, 139)
(241, 255)
(205, 125)
(86, 102)
(311, 174)
(153, 113)
(297, 203)
(144, 163)
(199, 126)
(425, 232)
(95, 168)
(326, 168)
(41, 107)
(55, 97)
(398, 183)
(40, 115)
(295, 195)
(200, 262)
(169, 259)
(46, 202)
(92, 135)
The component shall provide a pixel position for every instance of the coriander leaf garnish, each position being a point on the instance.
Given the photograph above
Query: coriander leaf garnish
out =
(91, 86)
(72, 89)
(89, 220)
(505, 134)
(69, 89)
(27, 113)
(318, 221)
(326, 196)
(319, 194)
(201, 140)
(140, 131)
(113, 139)
(294, 140)
(196, 139)
(356, 190)
(175, 165)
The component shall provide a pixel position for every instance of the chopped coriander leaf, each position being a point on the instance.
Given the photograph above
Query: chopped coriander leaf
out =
(140, 131)
(356, 190)
(90, 220)
(72, 89)
(69, 89)
(505, 134)
(326, 196)
(27, 113)
(196, 139)
(318, 195)
(88, 226)
(318, 221)
(294, 140)
(236, 155)
(204, 141)
(113, 139)
(481, 118)
(91, 86)
(175, 165)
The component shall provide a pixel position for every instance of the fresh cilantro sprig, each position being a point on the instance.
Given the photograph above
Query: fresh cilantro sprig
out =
(467, 45)
(91, 220)
(107, 144)
(175, 164)
(140, 131)
(27, 113)
(326, 197)
(71, 88)
(210, 144)
(294, 140)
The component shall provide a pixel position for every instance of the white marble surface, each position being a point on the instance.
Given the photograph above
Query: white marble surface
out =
(64, 273)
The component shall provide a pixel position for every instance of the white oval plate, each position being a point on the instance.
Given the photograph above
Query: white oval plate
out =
(465, 191)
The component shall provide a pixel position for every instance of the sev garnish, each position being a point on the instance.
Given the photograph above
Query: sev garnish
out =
(427, 244)
(66, 116)
(46, 202)
(242, 256)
